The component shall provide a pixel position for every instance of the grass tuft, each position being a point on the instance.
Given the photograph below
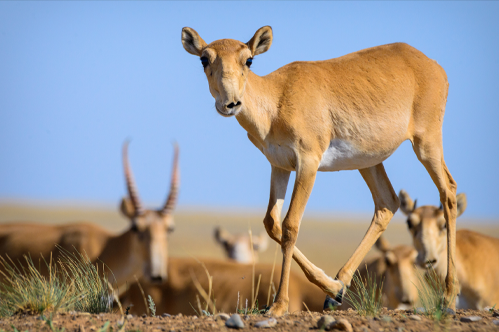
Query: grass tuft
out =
(25, 289)
(431, 292)
(366, 298)
(91, 289)
(72, 283)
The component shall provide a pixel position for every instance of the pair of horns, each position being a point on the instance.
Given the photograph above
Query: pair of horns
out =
(132, 188)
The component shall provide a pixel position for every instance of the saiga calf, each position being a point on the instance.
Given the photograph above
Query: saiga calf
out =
(347, 113)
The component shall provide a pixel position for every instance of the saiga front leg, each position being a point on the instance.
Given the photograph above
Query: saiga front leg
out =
(278, 186)
(305, 178)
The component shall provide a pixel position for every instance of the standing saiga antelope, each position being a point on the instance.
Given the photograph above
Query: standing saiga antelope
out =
(140, 251)
(346, 113)
(477, 255)
(240, 248)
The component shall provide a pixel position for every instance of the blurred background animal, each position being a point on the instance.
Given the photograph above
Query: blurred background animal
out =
(477, 255)
(230, 281)
(239, 247)
(139, 252)
(395, 269)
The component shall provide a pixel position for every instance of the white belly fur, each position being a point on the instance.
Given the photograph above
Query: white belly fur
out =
(342, 155)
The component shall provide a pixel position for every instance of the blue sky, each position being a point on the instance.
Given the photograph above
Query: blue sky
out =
(78, 78)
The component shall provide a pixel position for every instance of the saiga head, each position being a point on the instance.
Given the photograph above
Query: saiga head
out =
(238, 247)
(398, 266)
(400, 277)
(428, 228)
(150, 228)
(227, 64)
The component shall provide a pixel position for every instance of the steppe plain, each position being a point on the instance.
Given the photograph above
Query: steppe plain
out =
(326, 239)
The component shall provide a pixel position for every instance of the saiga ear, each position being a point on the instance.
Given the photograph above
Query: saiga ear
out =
(390, 258)
(406, 202)
(262, 242)
(261, 41)
(192, 42)
(462, 203)
(414, 255)
(127, 208)
(221, 235)
(382, 244)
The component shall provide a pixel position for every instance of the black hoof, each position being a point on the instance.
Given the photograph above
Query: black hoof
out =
(331, 304)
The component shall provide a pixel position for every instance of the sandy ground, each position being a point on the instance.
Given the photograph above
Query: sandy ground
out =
(387, 321)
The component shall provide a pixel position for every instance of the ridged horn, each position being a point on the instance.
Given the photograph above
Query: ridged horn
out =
(174, 186)
(130, 183)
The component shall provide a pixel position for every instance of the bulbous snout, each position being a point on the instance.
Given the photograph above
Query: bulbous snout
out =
(157, 279)
(157, 266)
(228, 93)
(232, 105)
(426, 261)
(229, 108)
(158, 276)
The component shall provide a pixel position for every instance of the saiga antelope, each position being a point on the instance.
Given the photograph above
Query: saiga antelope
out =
(400, 280)
(346, 113)
(178, 292)
(139, 251)
(239, 247)
(396, 269)
(477, 255)
(230, 280)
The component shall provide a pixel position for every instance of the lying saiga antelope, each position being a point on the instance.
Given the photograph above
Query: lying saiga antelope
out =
(477, 255)
(140, 251)
(396, 269)
(346, 113)
(240, 248)
(230, 281)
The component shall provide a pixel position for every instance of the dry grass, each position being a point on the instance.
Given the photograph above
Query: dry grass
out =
(73, 283)
(24, 289)
(367, 299)
(431, 291)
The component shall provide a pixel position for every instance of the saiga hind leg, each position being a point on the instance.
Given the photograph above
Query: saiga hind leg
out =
(386, 204)
(430, 153)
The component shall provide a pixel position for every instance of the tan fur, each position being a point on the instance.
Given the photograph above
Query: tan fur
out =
(132, 253)
(238, 247)
(400, 282)
(395, 268)
(350, 112)
(477, 255)
(174, 296)
(229, 279)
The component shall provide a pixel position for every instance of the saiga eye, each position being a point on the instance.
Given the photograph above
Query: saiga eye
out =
(249, 62)
(204, 61)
